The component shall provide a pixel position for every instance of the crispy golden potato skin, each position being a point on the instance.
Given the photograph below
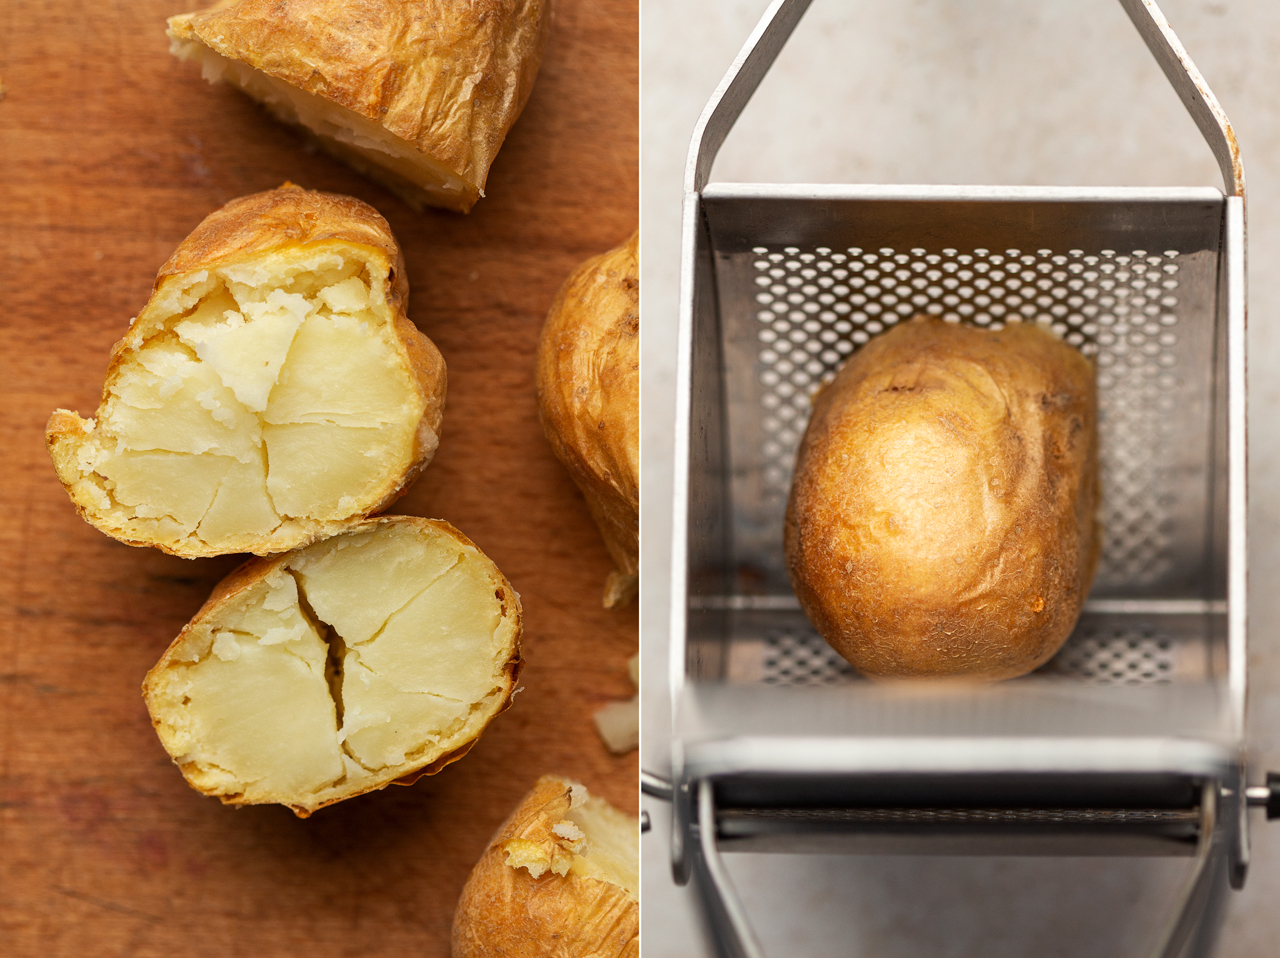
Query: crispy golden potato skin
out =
(253, 571)
(943, 517)
(588, 376)
(449, 77)
(505, 912)
(284, 219)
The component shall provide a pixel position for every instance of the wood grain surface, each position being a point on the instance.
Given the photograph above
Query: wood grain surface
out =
(111, 151)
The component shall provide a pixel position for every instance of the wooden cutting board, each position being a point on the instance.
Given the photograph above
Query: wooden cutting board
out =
(111, 151)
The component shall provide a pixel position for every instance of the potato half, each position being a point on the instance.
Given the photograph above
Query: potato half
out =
(415, 94)
(943, 517)
(375, 656)
(271, 389)
(561, 879)
(588, 378)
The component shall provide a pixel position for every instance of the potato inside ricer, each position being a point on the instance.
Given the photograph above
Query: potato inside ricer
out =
(339, 668)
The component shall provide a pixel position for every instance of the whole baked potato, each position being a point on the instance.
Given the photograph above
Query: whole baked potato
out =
(588, 376)
(415, 94)
(943, 517)
(561, 879)
(271, 389)
(375, 656)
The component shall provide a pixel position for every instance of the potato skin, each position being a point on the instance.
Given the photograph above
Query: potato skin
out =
(505, 912)
(449, 77)
(943, 516)
(274, 219)
(280, 220)
(255, 570)
(588, 376)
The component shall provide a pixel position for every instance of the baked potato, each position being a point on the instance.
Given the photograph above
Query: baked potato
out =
(588, 376)
(561, 879)
(271, 390)
(415, 94)
(376, 656)
(943, 517)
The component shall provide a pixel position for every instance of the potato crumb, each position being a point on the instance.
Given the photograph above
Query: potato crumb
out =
(226, 647)
(618, 722)
(522, 853)
(567, 830)
(619, 725)
(538, 857)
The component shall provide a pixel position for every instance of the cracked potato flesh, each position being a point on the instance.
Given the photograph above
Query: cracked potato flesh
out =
(339, 668)
(263, 394)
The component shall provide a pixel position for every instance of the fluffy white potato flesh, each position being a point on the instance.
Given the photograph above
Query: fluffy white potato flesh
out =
(340, 667)
(275, 396)
(611, 847)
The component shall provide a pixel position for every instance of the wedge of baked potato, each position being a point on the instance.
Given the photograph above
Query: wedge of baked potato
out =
(415, 94)
(588, 376)
(561, 879)
(943, 517)
(376, 656)
(271, 389)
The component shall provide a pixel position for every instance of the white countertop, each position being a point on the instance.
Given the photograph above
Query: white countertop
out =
(1057, 92)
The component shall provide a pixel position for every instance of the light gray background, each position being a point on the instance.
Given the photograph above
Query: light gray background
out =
(1037, 92)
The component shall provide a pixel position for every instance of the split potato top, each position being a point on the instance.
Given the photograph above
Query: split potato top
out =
(417, 94)
(380, 653)
(588, 379)
(943, 517)
(561, 879)
(271, 389)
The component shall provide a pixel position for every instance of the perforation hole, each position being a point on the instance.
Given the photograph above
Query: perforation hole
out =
(1097, 653)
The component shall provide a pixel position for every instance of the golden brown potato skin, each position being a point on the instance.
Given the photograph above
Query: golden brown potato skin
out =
(449, 77)
(589, 399)
(284, 219)
(505, 912)
(943, 517)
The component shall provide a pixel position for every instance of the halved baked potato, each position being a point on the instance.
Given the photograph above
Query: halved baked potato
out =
(415, 94)
(561, 879)
(588, 377)
(271, 390)
(943, 517)
(376, 656)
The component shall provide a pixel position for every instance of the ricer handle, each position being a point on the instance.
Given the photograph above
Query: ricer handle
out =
(775, 27)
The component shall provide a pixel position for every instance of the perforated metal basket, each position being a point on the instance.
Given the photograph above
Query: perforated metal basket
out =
(1130, 740)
